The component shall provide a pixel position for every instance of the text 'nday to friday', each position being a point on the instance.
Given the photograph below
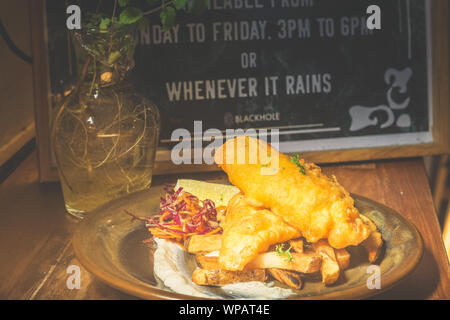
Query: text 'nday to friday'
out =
(256, 30)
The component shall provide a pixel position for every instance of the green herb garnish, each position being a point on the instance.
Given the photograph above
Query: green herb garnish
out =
(287, 253)
(295, 160)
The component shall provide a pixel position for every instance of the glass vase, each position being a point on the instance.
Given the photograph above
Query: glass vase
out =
(104, 134)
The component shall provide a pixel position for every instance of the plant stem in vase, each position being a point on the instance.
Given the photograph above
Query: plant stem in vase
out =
(104, 134)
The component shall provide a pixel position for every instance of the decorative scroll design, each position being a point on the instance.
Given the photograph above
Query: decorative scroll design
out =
(362, 117)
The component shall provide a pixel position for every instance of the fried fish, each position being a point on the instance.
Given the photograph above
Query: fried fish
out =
(294, 191)
(248, 231)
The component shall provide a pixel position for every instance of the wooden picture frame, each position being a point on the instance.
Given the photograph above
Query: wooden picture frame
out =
(440, 107)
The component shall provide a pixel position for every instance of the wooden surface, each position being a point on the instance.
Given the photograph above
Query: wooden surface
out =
(35, 231)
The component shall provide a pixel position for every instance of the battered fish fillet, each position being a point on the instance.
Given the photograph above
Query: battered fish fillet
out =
(315, 205)
(249, 231)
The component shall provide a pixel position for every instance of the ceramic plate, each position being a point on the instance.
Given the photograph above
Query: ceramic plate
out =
(109, 244)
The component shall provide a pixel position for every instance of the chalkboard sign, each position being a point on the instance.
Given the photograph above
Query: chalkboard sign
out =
(311, 69)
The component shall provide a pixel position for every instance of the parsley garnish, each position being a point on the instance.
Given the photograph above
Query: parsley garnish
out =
(295, 159)
(287, 253)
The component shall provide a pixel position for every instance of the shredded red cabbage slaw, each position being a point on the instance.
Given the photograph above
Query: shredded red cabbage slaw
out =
(182, 215)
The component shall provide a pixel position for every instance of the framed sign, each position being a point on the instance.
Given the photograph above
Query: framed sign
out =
(317, 74)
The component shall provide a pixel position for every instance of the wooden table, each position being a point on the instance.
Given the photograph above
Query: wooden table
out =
(35, 231)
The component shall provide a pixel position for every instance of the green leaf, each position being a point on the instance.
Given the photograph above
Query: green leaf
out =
(94, 17)
(167, 15)
(113, 57)
(151, 2)
(198, 6)
(295, 160)
(104, 23)
(130, 15)
(143, 23)
(93, 20)
(124, 3)
(281, 252)
(179, 4)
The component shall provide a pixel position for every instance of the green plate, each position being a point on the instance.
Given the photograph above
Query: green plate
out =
(109, 244)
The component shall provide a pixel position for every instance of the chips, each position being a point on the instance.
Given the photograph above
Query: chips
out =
(319, 258)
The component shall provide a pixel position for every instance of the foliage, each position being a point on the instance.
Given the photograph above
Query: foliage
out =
(135, 13)
(107, 32)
